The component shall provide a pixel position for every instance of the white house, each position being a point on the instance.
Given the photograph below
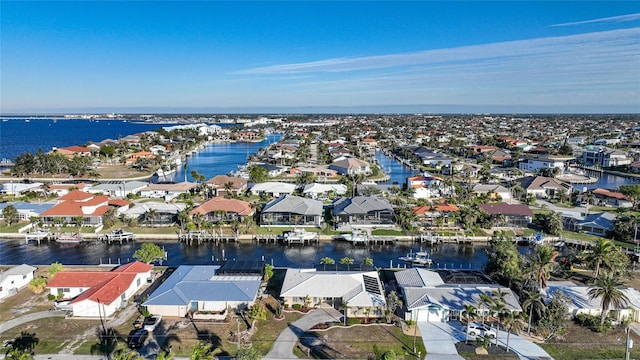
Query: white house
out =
(193, 289)
(13, 279)
(316, 190)
(537, 163)
(273, 188)
(13, 188)
(351, 166)
(99, 293)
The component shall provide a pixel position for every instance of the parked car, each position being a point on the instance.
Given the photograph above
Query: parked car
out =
(150, 323)
(137, 338)
(476, 329)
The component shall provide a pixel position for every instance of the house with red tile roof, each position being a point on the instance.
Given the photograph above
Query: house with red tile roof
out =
(223, 209)
(78, 203)
(431, 213)
(134, 157)
(99, 293)
(72, 151)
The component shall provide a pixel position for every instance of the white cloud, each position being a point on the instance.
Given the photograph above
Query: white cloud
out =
(613, 19)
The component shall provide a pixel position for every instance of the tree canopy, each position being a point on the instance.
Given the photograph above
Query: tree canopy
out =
(149, 253)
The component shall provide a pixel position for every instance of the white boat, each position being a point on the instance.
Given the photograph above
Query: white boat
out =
(356, 237)
(119, 234)
(165, 172)
(299, 235)
(70, 239)
(419, 258)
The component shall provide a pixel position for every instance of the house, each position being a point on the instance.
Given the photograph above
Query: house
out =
(544, 187)
(63, 189)
(223, 184)
(581, 303)
(363, 210)
(635, 167)
(359, 290)
(77, 204)
(440, 296)
(168, 191)
(223, 209)
(492, 191)
(72, 151)
(27, 210)
(195, 289)
(536, 164)
(272, 170)
(514, 214)
(118, 188)
(155, 213)
(319, 171)
(464, 170)
(437, 214)
(135, 157)
(289, 210)
(316, 190)
(597, 224)
(273, 188)
(604, 156)
(604, 197)
(99, 293)
(433, 159)
(424, 187)
(13, 279)
(17, 189)
(351, 166)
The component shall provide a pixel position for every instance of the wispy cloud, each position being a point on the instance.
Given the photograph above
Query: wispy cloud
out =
(549, 46)
(607, 20)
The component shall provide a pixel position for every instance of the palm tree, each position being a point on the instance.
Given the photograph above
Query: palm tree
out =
(542, 261)
(327, 261)
(534, 301)
(151, 215)
(346, 261)
(203, 351)
(499, 308)
(126, 355)
(599, 253)
(471, 313)
(78, 221)
(345, 307)
(607, 288)
(485, 300)
(513, 322)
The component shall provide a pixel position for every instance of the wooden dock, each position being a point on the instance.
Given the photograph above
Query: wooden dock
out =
(196, 237)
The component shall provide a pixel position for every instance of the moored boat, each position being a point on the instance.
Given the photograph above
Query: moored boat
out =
(70, 239)
(419, 258)
(356, 237)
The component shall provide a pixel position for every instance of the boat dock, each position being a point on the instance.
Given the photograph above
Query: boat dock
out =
(117, 236)
(39, 235)
(196, 237)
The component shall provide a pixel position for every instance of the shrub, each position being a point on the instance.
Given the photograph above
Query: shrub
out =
(592, 322)
(51, 297)
(297, 307)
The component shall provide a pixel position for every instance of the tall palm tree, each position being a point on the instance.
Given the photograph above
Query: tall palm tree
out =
(345, 307)
(512, 322)
(485, 300)
(499, 308)
(599, 253)
(327, 261)
(607, 288)
(203, 351)
(542, 262)
(471, 313)
(534, 301)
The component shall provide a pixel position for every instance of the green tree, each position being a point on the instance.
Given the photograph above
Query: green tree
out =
(367, 261)
(599, 254)
(553, 324)
(485, 301)
(54, 268)
(541, 262)
(10, 214)
(471, 313)
(203, 351)
(248, 354)
(268, 272)
(37, 285)
(347, 261)
(504, 262)
(393, 302)
(126, 355)
(533, 302)
(632, 191)
(327, 261)
(607, 289)
(512, 322)
(257, 174)
(149, 253)
(78, 221)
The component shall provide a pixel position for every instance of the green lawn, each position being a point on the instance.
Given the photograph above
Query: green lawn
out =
(13, 228)
(387, 232)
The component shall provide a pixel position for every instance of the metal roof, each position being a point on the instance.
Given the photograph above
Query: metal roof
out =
(294, 205)
(360, 205)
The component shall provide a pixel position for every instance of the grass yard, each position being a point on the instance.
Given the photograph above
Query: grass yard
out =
(387, 232)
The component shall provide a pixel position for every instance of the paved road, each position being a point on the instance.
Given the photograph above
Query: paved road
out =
(284, 344)
(29, 317)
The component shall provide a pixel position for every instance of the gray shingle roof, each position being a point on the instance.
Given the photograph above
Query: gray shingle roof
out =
(360, 205)
(295, 205)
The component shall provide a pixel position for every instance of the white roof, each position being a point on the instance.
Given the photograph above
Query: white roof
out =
(417, 277)
(347, 285)
(161, 207)
(315, 188)
(274, 187)
(19, 270)
(579, 295)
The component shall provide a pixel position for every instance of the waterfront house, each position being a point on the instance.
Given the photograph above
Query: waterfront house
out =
(604, 156)
(65, 188)
(272, 170)
(17, 189)
(72, 151)
(199, 291)
(315, 190)
(222, 185)
(518, 215)
(135, 157)
(319, 171)
(223, 209)
(363, 211)
(424, 187)
(604, 197)
(597, 224)
(99, 293)
(581, 303)
(464, 170)
(544, 187)
(77, 204)
(442, 214)
(13, 279)
(359, 290)
(273, 188)
(536, 164)
(168, 191)
(27, 210)
(154, 213)
(351, 166)
(118, 188)
(440, 296)
(289, 210)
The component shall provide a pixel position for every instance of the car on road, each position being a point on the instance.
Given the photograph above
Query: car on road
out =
(137, 338)
(476, 329)
(150, 323)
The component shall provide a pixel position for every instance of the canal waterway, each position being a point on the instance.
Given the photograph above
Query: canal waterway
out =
(450, 256)
(397, 171)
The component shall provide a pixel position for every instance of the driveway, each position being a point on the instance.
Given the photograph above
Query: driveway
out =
(30, 317)
(440, 340)
(525, 349)
(284, 344)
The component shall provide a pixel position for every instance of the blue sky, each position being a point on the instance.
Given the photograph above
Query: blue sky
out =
(316, 56)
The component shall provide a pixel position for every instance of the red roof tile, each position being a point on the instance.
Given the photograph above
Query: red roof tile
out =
(76, 195)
